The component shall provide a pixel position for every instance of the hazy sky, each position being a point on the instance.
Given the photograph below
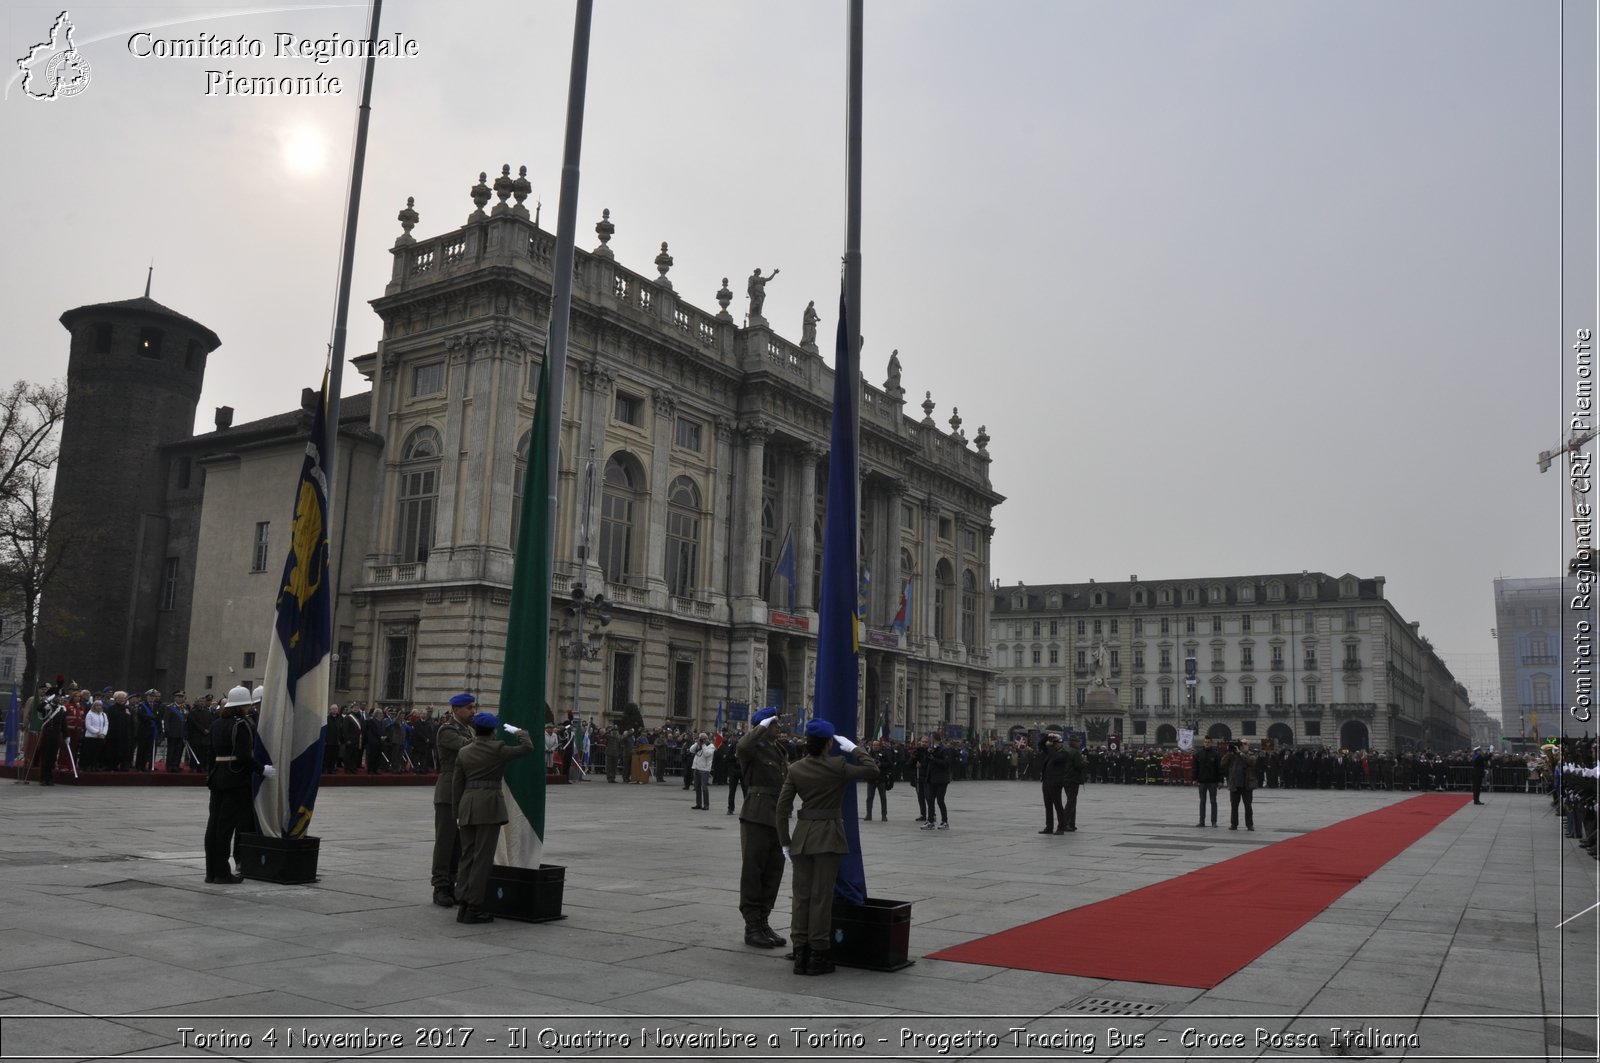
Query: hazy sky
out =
(1236, 287)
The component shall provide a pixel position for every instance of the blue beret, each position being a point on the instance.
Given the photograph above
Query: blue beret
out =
(819, 729)
(107, 690)
(763, 714)
(486, 719)
(462, 699)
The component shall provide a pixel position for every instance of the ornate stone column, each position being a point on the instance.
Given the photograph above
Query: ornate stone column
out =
(755, 432)
(666, 408)
(805, 540)
(723, 577)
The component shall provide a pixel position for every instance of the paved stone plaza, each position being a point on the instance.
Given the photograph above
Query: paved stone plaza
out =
(107, 914)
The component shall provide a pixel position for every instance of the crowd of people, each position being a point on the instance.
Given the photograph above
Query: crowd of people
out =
(114, 731)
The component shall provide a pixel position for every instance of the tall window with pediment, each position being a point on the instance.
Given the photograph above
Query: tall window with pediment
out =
(419, 495)
(683, 537)
(944, 592)
(619, 508)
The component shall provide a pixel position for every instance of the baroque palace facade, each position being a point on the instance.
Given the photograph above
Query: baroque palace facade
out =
(692, 446)
(1301, 658)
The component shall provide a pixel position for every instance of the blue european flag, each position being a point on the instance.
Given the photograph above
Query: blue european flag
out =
(836, 626)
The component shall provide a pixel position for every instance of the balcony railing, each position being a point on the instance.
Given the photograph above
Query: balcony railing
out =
(1351, 664)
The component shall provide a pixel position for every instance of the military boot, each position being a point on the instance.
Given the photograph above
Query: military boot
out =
(818, 962)
(802, 959)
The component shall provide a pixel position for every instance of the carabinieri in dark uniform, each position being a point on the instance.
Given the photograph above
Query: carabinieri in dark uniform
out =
(232, 769)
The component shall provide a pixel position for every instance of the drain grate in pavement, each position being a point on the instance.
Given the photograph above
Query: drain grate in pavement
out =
(1108, 1006)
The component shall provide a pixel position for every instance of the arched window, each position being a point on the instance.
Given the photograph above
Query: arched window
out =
(618, 510)
(969, 608)
(518, 475)
(944, 592)
(683, 537)
(419, 494)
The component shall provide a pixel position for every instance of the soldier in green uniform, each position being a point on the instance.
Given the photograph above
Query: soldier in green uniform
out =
(481, 808)
(818, 840)
(455, 731)
(762, 766)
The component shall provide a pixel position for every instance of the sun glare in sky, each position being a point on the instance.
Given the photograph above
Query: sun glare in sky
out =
(305, 150)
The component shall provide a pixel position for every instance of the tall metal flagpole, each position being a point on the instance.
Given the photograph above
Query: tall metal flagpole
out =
(852, 217)
(566, 237)
(341, 312)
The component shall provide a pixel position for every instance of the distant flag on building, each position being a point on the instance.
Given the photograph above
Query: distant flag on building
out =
(292, 726)
(13, 728)
(837, 680)
(524, 681)
(719, 717)
(784, 567)
(902, 618)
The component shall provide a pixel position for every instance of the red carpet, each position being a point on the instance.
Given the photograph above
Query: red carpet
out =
(1199, 928)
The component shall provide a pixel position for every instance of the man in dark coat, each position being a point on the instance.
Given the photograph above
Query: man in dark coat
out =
(1053, 774)
(119, 741)
(481, 808)
(1243, 773)
(147, 716)
(1077, 772)
(1480, 763)
(375, 733)
(763, 767)
(1207, 775)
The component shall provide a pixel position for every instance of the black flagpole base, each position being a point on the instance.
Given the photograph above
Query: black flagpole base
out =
(529, 895)
(284, 860)
(874, 936)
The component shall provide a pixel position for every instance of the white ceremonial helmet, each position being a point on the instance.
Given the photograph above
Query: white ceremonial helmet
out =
(236, 697)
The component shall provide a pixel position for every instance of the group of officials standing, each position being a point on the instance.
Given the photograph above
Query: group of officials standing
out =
(469, 810)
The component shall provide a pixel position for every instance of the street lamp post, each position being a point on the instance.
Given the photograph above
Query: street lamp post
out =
(1191, 679)
(583, 635)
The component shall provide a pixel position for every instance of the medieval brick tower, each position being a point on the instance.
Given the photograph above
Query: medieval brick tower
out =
(134, 375)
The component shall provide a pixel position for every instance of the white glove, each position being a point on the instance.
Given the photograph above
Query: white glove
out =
(786, 857)
(768, 722)
(269, 771)
(844, 744)
(511, 728)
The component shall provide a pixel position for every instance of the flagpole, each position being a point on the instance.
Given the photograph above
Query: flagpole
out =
(852, 217)
(341, 312)
(566, 238)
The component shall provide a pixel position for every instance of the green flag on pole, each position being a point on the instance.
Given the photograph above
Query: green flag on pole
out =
(523, 681)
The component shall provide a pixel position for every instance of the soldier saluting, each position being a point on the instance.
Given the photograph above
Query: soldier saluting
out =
(762, 766)
(481, 808)
(455, 731)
